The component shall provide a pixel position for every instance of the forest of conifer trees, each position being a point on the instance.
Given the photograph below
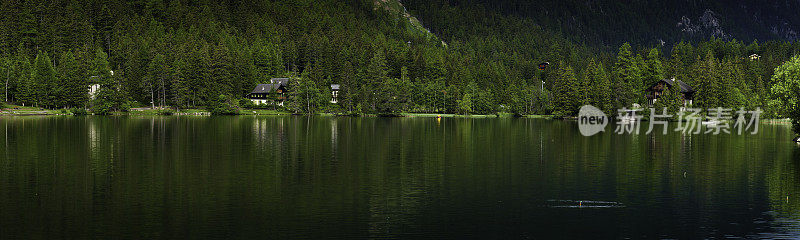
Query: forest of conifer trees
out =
(187, 54)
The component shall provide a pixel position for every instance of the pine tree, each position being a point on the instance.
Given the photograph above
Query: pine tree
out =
(7, 71)
(671, 99)
(567, 92)
(48, 87)
(180, 89)
(349, 87)
(105, 25)
(75, 86)
(600, 91)
(626, 78)
(681, 62)
(376, 74)
(25, 92)
(156, 80)
(707, 75)
(728, 95)
(221, 77)
(29, 27)
(306, 97)
(108, 98)
(653, 69)
(267, 61)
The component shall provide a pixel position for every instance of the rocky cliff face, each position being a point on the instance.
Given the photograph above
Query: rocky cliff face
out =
(612, 22)
(396, 7)
(707, 25)
(744, 16)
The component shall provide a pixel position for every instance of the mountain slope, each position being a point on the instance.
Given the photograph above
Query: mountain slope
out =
(650, 22)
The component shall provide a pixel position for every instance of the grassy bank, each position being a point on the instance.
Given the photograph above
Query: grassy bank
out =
(16, 110)
(498, 115)
(28, 110)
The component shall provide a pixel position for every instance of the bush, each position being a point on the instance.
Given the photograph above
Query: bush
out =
(246, 103)
(165, 112)
(78, 111)
(223, 106)
(103, 108)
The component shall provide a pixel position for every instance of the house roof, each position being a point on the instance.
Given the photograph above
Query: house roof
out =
(265, 88)
(280, 81)
(274, 84)
(685, 88)
(335, 87)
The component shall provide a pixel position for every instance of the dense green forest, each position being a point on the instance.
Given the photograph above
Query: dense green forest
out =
(476, 58)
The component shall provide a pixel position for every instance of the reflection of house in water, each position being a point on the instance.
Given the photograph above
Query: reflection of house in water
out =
(334, 133)
(268, 131)
(92, 136)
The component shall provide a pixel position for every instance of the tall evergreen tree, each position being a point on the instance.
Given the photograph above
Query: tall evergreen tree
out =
(600, 90)
(567, 92)
(376, 74)
(157, 80)
(706, 83)
(108, 97)
(25, 93)
(671, 99)
(653, 69)
(47, 85)
(349, 87)
(180, 87)
(8, 66)
(627, 78)
(75, 85)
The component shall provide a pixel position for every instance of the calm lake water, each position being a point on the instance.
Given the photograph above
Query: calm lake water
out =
(363, 178)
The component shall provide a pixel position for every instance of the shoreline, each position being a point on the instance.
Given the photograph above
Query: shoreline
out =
(261, 112)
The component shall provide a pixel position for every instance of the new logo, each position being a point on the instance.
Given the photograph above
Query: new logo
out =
(591, 120)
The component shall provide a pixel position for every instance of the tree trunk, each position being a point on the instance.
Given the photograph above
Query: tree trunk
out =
(8, 76)
(152, 98)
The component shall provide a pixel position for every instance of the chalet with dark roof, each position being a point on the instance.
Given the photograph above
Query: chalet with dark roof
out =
(275, 91)
(656, 90)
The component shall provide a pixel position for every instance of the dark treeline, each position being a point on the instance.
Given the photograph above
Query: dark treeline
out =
(188, 54)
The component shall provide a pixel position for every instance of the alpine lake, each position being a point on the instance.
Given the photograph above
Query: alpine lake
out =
(323, 177)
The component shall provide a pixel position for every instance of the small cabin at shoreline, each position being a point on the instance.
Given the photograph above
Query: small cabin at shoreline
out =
(275, 91)
(656, 90)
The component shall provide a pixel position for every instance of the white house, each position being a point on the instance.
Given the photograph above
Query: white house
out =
(334, 93)
(93, 90)
(94, 86)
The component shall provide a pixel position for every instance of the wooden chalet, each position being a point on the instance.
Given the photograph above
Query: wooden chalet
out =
(656, 90)
(275, 91)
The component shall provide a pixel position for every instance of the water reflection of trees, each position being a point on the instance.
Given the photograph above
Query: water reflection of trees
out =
(285, 177)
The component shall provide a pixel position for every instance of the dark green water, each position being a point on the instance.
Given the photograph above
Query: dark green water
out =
(353, 178)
